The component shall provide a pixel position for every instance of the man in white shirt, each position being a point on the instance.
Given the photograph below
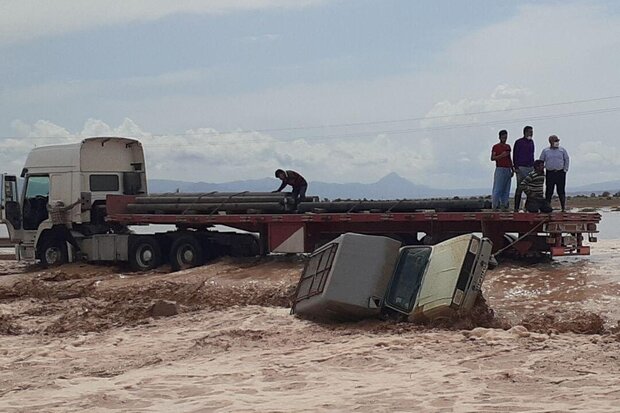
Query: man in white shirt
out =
(556, 162)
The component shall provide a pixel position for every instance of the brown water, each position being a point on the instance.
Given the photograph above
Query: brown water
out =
(584, 291)
(565, 288)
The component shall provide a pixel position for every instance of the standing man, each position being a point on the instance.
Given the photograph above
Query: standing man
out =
(532, 185)
(556, 161)
(295, 180)
(523, 160)
(500, 153)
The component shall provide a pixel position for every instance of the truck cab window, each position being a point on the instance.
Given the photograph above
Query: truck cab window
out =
(104, 183)
(408, 278)
(35, 201)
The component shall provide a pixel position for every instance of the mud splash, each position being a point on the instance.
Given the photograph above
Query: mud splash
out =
(85, 298)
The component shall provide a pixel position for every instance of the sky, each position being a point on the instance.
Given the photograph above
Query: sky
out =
(339, 90)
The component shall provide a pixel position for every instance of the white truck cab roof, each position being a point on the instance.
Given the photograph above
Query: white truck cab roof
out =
(90, 154)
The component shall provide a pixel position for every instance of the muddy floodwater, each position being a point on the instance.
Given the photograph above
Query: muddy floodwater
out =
(220, 338)
(561, 287)
(564, 287)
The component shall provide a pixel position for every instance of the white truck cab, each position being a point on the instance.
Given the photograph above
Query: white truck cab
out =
(64, 193)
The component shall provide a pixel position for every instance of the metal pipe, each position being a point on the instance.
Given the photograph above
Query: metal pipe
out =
(273, 207)
(209, 199)
(221, 194)
(394, 206)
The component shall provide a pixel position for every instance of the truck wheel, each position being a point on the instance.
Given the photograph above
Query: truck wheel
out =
(144, 254)
(186, 252)
(53, 252)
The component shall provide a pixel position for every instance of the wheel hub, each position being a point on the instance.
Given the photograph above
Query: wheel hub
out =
(188, 255)
(52, 255)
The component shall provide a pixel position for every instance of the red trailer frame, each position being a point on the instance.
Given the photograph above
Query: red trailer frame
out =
(554, 234)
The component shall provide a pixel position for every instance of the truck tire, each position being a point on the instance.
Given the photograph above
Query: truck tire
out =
(53, 252)
(144, 253)
(186, 252)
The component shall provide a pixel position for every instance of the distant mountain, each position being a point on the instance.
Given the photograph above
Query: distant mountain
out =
(610, 186)
(391, 186)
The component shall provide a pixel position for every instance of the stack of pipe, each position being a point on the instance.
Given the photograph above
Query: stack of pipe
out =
(215, 202)
(405, 205)
(283, 202)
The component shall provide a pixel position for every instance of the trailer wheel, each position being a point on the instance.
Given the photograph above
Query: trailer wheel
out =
(186, 252)
(53, 252)
(144, 254)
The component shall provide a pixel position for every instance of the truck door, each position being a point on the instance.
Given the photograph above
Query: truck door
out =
(36, 198)
(11, 212)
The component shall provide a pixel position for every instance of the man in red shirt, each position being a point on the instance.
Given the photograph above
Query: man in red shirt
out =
(500, 153)
(295, 180)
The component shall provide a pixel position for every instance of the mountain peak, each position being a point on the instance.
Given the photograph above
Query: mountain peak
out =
(393, 178)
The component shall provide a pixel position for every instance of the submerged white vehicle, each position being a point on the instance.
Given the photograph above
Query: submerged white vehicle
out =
(357, 276)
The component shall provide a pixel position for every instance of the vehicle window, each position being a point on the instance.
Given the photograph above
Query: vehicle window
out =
(315, 274)
(101, 183)
(408, 278)
(37, 185)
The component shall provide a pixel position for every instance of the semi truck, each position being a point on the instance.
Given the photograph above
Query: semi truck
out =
(357, 276)
(80, 201)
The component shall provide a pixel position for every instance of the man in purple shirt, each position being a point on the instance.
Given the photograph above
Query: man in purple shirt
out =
(523, 161)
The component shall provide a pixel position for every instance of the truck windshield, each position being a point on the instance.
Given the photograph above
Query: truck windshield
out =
(407, 278)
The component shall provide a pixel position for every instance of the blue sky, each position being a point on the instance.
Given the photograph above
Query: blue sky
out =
(208, 85)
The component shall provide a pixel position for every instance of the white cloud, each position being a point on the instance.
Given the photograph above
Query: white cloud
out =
(205, 154)
(466, 110)
(262, 38)
(208, 155)
(27, 19)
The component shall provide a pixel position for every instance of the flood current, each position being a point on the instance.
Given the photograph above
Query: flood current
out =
(564, 286)
(558, 288)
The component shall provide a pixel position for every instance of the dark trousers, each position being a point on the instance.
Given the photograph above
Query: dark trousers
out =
(537, 205)
(556, 179)
(522, 172)
(299, 193)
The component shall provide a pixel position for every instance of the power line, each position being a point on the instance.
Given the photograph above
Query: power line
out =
(380, 122)
(409, 130)
(337, 125)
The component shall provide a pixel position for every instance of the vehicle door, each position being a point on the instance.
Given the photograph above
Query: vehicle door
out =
(36, 198)
(11, 211)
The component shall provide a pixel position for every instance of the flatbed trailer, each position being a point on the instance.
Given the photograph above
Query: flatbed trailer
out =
(526, 234)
